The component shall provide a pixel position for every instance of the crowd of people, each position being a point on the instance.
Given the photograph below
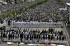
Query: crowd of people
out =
(8, 7)
(45, 12)
(48, 11)
(27, 34)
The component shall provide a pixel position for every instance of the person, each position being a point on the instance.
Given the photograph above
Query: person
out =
(1, 21)
(1, 28)
(9, 22)
(51, 30)
(4, 35)
(21, 36)
(9, 36)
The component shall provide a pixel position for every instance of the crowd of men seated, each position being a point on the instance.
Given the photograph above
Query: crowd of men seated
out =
(38, 18)
(27, 34)
(42, 13)
(46, 12)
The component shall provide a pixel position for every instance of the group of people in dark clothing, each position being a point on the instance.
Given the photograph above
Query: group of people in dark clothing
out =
(33, 34)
